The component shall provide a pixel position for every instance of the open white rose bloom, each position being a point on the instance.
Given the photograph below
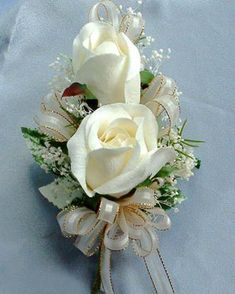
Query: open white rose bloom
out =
(115, 149)
(110, 131)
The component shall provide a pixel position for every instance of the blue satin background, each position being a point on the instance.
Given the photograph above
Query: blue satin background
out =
(199, 250)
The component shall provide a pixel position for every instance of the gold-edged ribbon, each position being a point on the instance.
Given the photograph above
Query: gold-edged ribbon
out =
(53, 119)
(114, 226)
(131, 24)
(161, 98)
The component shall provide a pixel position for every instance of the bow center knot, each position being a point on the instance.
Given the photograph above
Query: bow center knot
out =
(108, 211)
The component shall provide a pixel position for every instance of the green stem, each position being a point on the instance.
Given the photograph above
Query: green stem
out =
(194, 141)
(97, 282)
(183, 153)
(188, 144)
(182, 128)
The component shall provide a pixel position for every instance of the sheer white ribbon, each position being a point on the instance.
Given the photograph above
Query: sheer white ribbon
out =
(115, 224)
(53, 119)
(161, 97)
(131, 24)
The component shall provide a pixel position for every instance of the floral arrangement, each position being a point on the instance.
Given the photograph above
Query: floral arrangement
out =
(110, 131)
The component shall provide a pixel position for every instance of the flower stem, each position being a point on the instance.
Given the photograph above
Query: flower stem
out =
(97, 282)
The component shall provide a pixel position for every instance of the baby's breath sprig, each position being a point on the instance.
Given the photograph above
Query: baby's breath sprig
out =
(64, 75)
(50, 155)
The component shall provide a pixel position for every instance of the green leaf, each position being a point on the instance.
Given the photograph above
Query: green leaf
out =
(189, 144)
(198, 164)
(146, 77)
(36, 137)
(145, 183)
(89, 202)
(61, 192)
(182, 128)
(77, 89)
(78, 202)
(33, 135)
(166, 171)
(163, 173)
(73, 90)
(170, 196)
(36, 142)
(194, 141)
(89, 95)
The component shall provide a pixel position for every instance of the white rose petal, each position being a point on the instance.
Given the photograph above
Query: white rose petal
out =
(108, 63)
(115, 149)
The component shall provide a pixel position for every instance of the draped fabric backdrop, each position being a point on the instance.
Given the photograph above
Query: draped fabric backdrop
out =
(199, 250)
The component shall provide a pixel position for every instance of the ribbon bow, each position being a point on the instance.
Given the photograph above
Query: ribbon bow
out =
(134, 218)
(116, 223)
(136, 221)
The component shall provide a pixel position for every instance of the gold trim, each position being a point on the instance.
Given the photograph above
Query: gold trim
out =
(41, 127)
(48, 111)
(148, 271)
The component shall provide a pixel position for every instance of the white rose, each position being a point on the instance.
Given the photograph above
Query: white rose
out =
(115, 149)
(108, 63)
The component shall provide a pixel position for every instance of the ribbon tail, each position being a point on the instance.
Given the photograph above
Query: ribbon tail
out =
(105, 270)
(158, 274)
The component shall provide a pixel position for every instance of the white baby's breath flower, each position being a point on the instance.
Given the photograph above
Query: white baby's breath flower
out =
(50, 158)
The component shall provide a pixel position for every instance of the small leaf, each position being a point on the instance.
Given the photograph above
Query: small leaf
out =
(74, 90)
(165, 171)
(61, 193)
(189, 144)
(145, 183)
(146, 77)
(198, 163)
(33, 135)
(170, 196)
(194, 141)
(182, 128)
(78, 89)
(37, 137)
(91, 203)
(89, 95)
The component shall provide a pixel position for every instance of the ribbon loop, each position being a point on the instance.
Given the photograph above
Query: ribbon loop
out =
(147, 244)
(115, 238)
(133, 26)
(161, 98)
(112, 13)
(76, 221)
(53, 120)
(142, 198)
(160, 220)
